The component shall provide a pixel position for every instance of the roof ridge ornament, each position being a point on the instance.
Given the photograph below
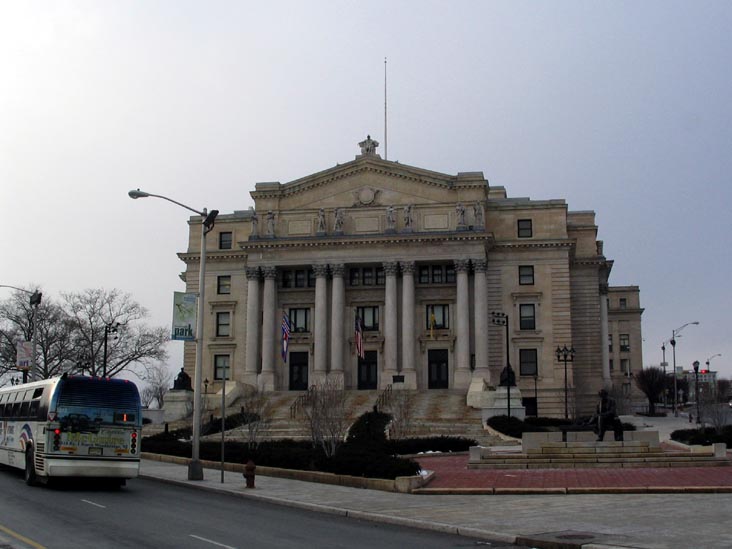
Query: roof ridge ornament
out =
(368, 146)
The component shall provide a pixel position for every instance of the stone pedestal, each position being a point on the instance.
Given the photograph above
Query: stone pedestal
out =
(336, 378)
(178, 405)
(463, 378)
(498, 403)
(266, 381)
(409, 382)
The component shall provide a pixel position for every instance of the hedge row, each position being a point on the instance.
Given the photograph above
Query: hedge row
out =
(704, 436)
(514, 427)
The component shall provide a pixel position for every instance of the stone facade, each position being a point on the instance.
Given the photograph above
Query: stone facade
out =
(423, 258)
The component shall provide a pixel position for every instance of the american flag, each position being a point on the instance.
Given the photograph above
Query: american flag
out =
(285, 335)
(359, 337)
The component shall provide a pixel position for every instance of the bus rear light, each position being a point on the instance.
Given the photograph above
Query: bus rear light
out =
(56, 439)
(133, 442)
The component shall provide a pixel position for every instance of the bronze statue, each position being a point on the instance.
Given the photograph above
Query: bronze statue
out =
(182, 382)
(607, 416)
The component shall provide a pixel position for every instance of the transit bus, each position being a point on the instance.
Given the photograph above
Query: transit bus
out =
(72, 426)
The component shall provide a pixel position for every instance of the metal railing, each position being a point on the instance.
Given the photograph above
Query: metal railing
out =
(384, 399)
(303, 400)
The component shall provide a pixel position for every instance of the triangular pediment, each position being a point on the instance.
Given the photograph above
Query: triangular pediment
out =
(367, 182)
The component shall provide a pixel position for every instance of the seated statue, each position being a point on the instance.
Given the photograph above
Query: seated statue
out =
(508, 378)
(182, 382)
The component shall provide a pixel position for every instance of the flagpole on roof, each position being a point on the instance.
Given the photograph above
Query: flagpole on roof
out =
(386, 146)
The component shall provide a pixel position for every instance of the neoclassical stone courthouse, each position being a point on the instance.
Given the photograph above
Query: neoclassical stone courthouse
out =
(423, 260)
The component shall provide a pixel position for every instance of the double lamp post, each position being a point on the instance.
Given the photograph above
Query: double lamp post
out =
(195, 469)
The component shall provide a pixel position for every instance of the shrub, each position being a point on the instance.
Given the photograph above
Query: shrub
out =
(547, 421)
(358, 460)
(511, 426)
(704, 436)
(369, 428)
(429, 444)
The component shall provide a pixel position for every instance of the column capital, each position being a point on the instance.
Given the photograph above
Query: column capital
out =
(270, 273)
(320, 271)
(480, 265)
(252, 273)
(408, 267)
(338, 270)
(391, 268)
(462, 265)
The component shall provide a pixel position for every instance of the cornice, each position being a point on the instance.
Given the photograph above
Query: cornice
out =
(534, 244)
(355, 240)
(190, 257)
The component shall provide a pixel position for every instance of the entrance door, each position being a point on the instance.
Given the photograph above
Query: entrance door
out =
(298, 371)
(367, 371)
(437, 369)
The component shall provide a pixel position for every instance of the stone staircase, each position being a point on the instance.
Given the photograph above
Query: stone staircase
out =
(592, 454)
(434, 413)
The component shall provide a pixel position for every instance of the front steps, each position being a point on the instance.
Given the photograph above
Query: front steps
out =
(575, 455)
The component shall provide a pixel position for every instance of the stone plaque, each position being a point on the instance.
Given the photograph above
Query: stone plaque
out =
(298, 227)
(435, 222)
(367, 225)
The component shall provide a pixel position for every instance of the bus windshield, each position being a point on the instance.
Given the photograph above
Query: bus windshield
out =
(84, 404)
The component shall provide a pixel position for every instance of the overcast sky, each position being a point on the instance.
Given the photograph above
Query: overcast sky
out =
(624, 108)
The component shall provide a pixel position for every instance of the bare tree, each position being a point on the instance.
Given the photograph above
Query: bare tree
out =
(257, 408)
(713, 412)
(53, 329)
(157, 378)
(651, 381)
(723, 390)
(401, 408)
(133, 342)
(325, 411)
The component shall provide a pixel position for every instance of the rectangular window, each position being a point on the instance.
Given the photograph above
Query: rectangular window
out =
(526, 275)
(623, 303)
(369, 318)
(528, 362)
(225, 240)
(368, 276)
(223, 324)
(300, 320)
(612, 366)
(609, 343)
(300, 278)
(424, 275)
(438, 317)
(287, 281)
(525, 229)
(527, 320)
(311, 278)
(354, 277)
(436, 274)
(624, 342)
(625, 366)
(221, 366)
(450, 274)
(223, 284)
(380, 276)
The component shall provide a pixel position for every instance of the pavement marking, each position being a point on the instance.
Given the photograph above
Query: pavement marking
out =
(22, 538)
(94, 504)
(212, 541)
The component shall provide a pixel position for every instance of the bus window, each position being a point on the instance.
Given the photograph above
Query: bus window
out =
(2, 411)
(38, 393)
(24, 409)
(34, 409)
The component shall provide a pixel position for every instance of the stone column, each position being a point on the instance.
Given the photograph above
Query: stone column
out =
(408, 332)
(604, 331)
(253, 323)
(336, 330)
(320, 324)
(269, 329)
(481, 320)
(462, 347)
(390, 324)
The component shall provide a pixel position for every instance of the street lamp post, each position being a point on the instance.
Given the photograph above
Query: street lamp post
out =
(696, 389)
(663, 365)
(565, 355)
(501, 319)
(35, 301)
(195, 469)
(110, 328)
(674, 334)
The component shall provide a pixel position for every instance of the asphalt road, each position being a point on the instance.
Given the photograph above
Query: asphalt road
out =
(158, 515)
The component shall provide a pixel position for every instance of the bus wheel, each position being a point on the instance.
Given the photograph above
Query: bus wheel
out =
(30, 469)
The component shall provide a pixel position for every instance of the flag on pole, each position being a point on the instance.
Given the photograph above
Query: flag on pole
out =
(285, 335)
(432, 323)
(359, 337)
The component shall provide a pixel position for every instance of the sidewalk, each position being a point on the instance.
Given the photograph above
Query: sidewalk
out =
(591, 520)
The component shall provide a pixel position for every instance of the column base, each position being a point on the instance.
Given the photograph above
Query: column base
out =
(337, 378)
(318, 378)
(462, 379)
(387, 378)
(409, 383)
(266, 381)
